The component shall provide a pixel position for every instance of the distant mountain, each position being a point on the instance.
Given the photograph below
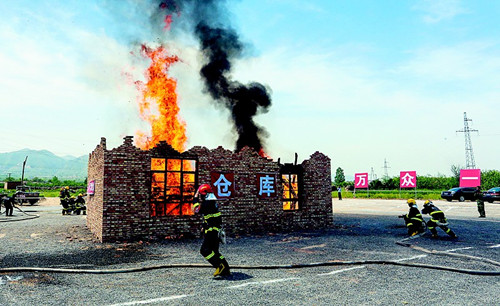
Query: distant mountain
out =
(42, 164)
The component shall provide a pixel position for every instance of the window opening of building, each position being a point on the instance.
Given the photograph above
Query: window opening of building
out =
(173, 182)
(290, 184)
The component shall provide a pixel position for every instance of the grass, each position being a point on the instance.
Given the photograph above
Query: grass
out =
(392, 194)
(46, 193)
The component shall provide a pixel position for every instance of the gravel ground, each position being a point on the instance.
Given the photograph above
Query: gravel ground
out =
(364, 230)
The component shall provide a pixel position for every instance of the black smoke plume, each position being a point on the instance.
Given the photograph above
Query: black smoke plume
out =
(220, 46)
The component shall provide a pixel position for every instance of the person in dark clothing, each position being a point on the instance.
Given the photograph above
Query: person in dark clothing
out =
(206, 205)
(339, 191)
(65, 197)
(80, 205)
(8, 202)
(478, 194)
(437, 219)
(413, 219)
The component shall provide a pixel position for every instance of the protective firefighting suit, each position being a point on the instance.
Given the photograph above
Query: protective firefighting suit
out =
(80, 205)
(65, 197)
(413, 219)
(212, 224)
(437, 219)
(478, 195)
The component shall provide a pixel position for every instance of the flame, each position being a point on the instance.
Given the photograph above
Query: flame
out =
(262, 153)
(158, 103)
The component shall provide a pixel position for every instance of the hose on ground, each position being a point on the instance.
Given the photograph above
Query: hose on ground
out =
(443, 253)
(244, 267)
(22, 219)
(290, 266)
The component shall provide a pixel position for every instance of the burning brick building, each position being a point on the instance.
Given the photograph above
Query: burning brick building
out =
(136, 193)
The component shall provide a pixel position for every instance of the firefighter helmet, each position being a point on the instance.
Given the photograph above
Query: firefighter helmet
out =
(67, 187)
(80, 195)
(428, 203)
(411, 202)
(204, 189)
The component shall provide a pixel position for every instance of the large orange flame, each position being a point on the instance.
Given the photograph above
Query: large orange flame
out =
(158, 103)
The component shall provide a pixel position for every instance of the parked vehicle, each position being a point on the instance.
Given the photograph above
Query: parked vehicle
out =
(25, 195)
(459, 193)
(492, 194)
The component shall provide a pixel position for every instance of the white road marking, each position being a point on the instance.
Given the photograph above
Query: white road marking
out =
(265, 282)
(411, 258)
(494, 246)
(453, 250)
(314, 246)
(342, 270)
(167, 298)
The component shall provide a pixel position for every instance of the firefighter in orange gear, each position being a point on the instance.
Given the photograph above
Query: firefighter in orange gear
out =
(437, 219)
(206, 205)
(413, 219)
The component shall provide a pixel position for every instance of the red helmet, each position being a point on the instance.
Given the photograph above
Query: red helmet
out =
(204, 189)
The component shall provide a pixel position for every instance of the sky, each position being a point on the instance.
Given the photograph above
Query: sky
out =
(361, 81)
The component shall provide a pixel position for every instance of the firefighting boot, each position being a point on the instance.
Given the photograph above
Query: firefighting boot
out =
(223, 269)
(451, 234)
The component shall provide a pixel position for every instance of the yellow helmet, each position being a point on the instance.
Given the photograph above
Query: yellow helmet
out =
(411, 201)
(80, 195)
(427, 202)
(66, 187)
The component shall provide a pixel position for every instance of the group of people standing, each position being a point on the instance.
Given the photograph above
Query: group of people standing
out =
(416, 224)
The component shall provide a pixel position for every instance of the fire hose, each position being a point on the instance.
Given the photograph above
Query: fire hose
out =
(30, 216)
(276, 267)
(289, 266)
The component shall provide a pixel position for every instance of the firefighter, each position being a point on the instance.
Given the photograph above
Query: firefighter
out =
(8, 202)
(80, 205)
(64, 197)
(413, 219)
(205, 203)
(478, 194)
(437, 219)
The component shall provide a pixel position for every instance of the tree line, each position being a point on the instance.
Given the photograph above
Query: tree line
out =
(489, 179)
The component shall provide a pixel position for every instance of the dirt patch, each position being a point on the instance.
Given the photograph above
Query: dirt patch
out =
(54, 201)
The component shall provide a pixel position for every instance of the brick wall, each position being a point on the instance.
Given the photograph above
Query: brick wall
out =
(119, 210)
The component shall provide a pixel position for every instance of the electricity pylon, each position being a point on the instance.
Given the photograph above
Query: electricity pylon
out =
(386, 175)
(469, 154)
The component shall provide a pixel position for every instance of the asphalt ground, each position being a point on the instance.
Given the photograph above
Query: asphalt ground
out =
(364, 230)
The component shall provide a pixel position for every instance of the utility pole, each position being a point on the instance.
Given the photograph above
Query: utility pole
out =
(386, 175)
(24, 164)
(469, 154)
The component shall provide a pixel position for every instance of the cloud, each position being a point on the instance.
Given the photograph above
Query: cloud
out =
(439, 10)
(474, 62)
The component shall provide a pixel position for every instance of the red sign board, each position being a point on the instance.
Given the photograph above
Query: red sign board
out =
(470, 177)
(222, 184)
(361, 180)
(266, 185)
(408, 179)
(91, 187)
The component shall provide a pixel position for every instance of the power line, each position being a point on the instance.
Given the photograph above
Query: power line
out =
(469, 153)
